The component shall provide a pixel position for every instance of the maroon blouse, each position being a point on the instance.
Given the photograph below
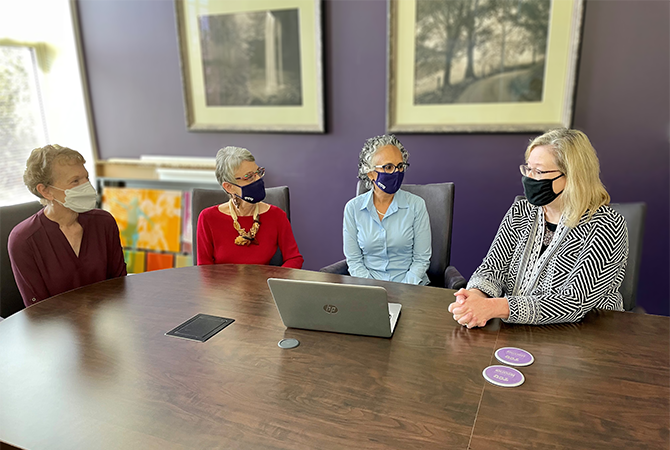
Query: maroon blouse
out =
(44, 263)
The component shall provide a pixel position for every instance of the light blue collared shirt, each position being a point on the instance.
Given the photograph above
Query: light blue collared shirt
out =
(397, 248)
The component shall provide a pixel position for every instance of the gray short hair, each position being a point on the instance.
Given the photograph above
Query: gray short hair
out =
(228, 160)
(370, 148)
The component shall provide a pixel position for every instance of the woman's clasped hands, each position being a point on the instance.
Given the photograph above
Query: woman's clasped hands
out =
(473, 308)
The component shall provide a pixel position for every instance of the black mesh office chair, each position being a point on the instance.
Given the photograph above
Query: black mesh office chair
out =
(439, 198)
(10, 216)
(204, 198)
(635, 215)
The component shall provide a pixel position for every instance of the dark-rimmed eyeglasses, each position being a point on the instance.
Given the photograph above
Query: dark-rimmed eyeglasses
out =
(260, 173)
(390, 168)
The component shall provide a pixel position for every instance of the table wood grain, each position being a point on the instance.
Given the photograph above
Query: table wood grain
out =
(92, 368)
(603, 383)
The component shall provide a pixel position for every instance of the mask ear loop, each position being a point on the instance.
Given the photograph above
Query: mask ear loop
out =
(561, 175)
(51, 202)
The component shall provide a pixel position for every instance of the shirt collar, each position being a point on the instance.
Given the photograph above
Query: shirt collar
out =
(399, 201)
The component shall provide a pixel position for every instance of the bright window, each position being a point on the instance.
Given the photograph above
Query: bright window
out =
(22, 125)
(42, 89)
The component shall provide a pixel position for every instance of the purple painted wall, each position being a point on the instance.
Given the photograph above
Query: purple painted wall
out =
(622, 104)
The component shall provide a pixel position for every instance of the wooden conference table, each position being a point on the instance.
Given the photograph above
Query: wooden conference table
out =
(92, 369)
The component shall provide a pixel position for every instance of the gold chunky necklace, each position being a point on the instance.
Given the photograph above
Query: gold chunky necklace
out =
(245, 237)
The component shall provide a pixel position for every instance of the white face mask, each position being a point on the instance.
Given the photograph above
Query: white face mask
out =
(79, 199)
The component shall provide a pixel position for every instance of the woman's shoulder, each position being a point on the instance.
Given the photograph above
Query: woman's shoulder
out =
(359, 201)
(409, 198)
(98, 215)
(99, 219)
(605, 216)
(215, 211)
(26, 228)
(275, 212)
(521, 206)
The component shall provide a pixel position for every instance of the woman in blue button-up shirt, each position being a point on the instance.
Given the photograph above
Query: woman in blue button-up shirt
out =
(386, 230)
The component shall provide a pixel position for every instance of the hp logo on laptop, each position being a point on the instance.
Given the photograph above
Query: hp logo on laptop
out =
(330, 309)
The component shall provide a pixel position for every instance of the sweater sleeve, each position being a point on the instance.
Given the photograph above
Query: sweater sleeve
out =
(205, 244)
(116, 264)
(490, 275)
(593, 282)
(26, 273)
(287, 244)
(421, 249)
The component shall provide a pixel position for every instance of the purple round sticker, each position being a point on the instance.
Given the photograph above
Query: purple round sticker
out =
(503, 376)
(514, 356)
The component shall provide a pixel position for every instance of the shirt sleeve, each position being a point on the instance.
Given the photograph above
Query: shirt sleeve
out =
(26, 272)
(421, 249)
(116, 264)
(490, 275)
(205, 244)
(287, 244)
(593, 281)
(352, 251)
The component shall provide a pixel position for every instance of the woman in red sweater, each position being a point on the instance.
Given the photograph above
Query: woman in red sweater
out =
(244, 230)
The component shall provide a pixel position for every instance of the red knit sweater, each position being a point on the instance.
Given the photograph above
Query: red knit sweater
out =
(216, 239)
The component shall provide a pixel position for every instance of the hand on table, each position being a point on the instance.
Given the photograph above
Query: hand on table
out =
(473, 308)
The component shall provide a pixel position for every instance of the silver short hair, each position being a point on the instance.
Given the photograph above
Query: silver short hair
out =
(370, 147)
(228, 160)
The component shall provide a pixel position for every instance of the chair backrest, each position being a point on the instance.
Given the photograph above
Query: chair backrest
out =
(204, 198)
(10, 216)
(439, 198)
(635, 215)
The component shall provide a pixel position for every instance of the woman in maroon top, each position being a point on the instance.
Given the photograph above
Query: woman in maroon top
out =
(68, 244)
(244, 230)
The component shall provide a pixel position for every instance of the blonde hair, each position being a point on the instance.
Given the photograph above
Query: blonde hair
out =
(577, 159)
(39, 167)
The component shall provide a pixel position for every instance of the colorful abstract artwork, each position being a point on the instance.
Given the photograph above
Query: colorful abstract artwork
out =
(183, 260)
(148, 219)
(134, 261)
(187, 228)
(159, 261)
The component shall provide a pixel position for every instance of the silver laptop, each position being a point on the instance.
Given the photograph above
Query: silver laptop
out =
(339, 308)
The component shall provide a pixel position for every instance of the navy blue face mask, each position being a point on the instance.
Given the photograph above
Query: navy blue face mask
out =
(389, 182)
(254, 192)
(540, 192)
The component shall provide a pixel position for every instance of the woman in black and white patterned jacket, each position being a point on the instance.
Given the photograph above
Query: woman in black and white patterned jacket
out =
(558, 253)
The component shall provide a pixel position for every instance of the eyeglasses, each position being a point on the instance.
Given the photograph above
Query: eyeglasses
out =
(527, 171)
(390, 168)
(260, 173)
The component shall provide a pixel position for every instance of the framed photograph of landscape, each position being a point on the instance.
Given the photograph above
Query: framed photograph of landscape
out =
(252, 65)
(463, 66)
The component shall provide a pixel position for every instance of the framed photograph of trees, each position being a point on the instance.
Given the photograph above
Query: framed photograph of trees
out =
(251, 65)
(482, 65)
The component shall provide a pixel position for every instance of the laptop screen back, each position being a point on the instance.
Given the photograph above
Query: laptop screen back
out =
(340, 308)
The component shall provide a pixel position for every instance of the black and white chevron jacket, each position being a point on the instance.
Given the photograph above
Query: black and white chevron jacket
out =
(581, 269)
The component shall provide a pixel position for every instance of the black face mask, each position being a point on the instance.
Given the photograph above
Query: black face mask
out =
(539, 192)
